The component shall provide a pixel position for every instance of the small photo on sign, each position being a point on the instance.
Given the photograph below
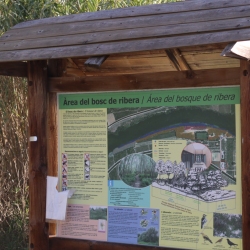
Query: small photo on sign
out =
(86, 166)
(64, 172)
(87, 157)
(86, 163)
(101, 225)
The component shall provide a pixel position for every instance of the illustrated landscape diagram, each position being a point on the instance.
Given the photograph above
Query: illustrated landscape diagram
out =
(202, 179)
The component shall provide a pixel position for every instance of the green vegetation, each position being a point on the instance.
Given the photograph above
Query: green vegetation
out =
(150, 237)
(229, 225)
(13, 164)
(129, 179)
(178, 116)
(98, 213)
(137, 170)
(146, 179)
(229, 156)
(201, 135)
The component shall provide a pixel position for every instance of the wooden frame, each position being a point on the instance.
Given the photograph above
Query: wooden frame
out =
(71, 244)
(43, 106)
(182, 27)
(245, 133)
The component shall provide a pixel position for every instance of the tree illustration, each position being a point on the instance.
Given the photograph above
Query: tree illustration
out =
(169, 168)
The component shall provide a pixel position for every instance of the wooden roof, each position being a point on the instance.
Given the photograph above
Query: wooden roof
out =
(135, 29)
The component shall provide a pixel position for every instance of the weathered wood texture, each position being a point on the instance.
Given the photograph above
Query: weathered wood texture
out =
(202, 78)
(245, 133)
(95, 62)
(19, 69)
(134, 11)
(55, 69)
(196, 58)
(37, 105)
(71, 244)
(131, 29)
(178, 60)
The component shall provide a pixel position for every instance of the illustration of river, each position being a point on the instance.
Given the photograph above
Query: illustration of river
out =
(181, 116)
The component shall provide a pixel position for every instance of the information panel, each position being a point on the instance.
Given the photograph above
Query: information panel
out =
(157, 168)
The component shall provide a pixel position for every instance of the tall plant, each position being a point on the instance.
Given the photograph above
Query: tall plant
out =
(13, 163)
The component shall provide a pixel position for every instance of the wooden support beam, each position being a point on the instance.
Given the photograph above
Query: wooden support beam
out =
(56, 68)
(80, 71)
(202, 78)
(245, 133)
(179, 62)
(95, 61)
(37, 105)
(18, 69)
(72, 244)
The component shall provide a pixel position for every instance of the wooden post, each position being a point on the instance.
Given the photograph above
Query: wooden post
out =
(245, 133)
(55, 69)
(37, 93)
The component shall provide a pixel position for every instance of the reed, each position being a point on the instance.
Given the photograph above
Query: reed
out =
(13, 163)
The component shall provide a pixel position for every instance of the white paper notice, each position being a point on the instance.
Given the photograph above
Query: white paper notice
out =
(56, 202)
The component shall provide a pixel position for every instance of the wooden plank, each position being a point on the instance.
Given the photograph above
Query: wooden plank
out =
(125, 46)
(245, 133)
(109, 36)
(134, 62)
(18, 69)
(209, 48)
(120, 70)
(209, 61)
(73, 64)
(137, 11)
(178, 60)
(199, 19)
(203, 65)
(95, 61)
(72, 244)
(123, 66)
(37, 106)
(202, 78)
(137, 55)
(199, 49)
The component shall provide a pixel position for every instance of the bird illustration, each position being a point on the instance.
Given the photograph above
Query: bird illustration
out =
(206, 238)
(230, 243)
(203, 220)
(219, 241)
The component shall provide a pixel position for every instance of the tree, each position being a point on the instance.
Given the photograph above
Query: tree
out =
(169, 168)
(159, 167)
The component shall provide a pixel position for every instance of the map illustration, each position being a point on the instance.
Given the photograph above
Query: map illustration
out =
(207, 165)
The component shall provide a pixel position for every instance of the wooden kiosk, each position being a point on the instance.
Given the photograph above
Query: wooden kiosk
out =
(175, 45)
